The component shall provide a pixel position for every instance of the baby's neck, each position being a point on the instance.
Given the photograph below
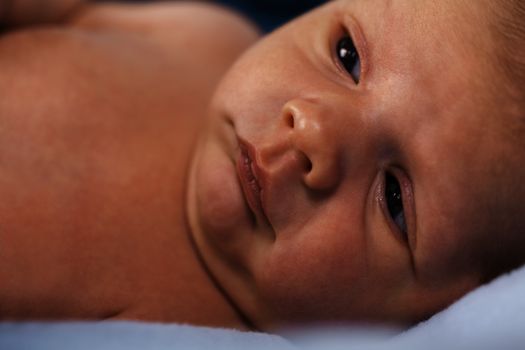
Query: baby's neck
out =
(176, 288)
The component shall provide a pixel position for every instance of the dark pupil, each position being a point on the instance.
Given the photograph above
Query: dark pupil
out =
(393, 196)
(347, 53)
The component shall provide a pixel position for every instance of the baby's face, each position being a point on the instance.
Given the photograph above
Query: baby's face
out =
(340, 174)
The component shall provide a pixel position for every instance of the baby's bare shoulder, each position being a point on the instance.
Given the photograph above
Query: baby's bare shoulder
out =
(193, 34)
(180, 46)
(187, 28)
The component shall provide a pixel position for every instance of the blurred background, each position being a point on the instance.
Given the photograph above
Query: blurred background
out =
(269, 14)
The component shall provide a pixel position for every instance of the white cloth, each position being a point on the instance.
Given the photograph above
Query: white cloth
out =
(491, 317)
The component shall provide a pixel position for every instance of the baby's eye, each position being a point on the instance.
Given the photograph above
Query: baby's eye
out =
(349, 57)
(394, 201)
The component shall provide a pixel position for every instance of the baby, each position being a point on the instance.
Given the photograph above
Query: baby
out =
(363, 163)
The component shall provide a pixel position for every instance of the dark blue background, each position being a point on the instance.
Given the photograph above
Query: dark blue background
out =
(269, 14)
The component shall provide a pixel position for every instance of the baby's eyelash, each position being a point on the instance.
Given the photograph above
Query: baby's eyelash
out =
(348, 56)
(394, 201)
(350, 33)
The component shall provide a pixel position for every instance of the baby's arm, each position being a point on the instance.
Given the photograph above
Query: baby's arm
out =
(14, 13)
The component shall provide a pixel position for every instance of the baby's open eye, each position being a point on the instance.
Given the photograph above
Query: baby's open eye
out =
(394, 201)
(349, 57)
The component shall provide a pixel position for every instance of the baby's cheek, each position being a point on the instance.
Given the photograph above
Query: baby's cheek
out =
(308, 278)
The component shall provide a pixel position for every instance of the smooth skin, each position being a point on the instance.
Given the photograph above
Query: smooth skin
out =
(325, 246)
(99, 117)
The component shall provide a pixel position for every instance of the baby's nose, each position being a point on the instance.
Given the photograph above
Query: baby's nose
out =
(313, 133)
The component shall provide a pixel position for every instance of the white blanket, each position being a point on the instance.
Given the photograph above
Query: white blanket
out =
(491, 317)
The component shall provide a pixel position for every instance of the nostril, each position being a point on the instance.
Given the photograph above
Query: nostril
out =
(306, 163)
(289, 120)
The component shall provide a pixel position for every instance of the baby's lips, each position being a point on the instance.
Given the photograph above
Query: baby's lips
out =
(253, 178)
